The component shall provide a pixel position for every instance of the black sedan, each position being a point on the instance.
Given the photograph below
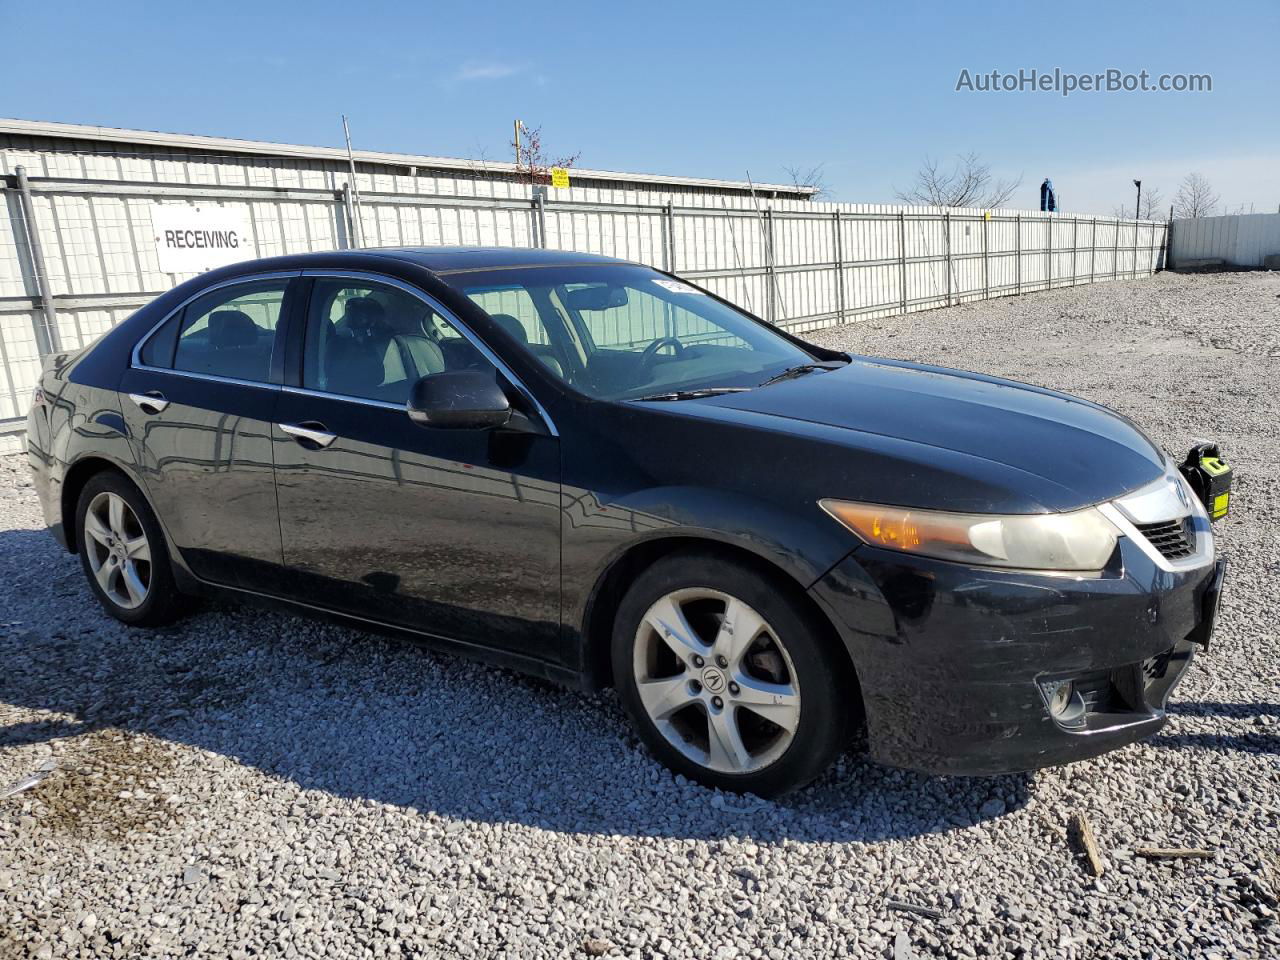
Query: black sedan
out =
(604, 475)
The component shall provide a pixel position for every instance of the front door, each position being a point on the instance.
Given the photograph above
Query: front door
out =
(199, 402)
(454, 533)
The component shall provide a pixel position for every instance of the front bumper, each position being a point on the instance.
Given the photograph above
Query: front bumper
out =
(954, 661)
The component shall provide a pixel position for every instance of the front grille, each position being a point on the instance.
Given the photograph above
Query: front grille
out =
(1174, 539)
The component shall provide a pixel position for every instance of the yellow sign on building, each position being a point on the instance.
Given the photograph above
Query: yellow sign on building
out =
(559, 177)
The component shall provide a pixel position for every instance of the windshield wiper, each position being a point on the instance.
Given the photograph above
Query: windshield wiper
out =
(799, 371)
(691, 394)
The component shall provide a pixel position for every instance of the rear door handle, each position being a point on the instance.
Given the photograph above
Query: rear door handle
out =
(309, 432)
(152, 401)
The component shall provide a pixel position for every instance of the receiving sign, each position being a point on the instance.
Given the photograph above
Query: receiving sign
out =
(195, 239)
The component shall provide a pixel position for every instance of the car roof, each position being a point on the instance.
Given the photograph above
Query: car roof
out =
(455, 259)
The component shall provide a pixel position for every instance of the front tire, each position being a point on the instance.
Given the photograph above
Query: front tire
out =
(727, 678)
(123, 553)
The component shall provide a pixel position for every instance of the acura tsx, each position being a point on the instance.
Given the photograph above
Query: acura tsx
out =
(602, 474)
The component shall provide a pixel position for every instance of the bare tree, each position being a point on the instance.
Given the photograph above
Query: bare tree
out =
(532, 163)
(815, 177)
(969, 183)
(1152, 207)
(479, 164)
(1195, 198)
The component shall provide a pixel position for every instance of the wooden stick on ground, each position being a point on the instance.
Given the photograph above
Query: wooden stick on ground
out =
(1083, 834)
(1172, 853)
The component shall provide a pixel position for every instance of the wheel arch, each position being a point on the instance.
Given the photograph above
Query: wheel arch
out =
(611, 585)
(74, 481)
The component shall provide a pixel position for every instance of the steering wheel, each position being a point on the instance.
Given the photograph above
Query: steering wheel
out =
(649, 355)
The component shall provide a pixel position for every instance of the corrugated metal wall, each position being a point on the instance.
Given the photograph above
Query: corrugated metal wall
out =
(1242, 241)
(800, 264)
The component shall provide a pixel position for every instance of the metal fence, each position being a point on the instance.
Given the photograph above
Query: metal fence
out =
(1245, 240)
(78, 255)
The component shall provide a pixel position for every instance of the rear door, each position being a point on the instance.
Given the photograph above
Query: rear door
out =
(454, 533)
(199, 398)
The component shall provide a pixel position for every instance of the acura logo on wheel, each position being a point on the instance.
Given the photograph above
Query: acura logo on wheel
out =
(713, 680)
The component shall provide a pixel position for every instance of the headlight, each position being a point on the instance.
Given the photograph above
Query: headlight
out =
(1082, 540)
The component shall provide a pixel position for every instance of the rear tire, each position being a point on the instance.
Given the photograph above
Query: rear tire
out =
(728, 680)
(124, 555)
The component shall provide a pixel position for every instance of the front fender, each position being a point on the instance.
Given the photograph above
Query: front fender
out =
(805, 548)
(599, 535)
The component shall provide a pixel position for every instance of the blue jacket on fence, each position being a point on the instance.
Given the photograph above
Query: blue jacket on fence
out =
(1047, 199)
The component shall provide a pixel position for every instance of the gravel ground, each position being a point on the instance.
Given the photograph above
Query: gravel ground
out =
(253, 784)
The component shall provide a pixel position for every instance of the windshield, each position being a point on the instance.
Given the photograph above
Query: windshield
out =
(620, 332)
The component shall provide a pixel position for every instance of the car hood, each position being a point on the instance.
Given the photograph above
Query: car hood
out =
(1069, 452)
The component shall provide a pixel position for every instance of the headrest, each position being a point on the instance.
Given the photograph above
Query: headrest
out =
(364, 313)
(232, 328)
(512, 326)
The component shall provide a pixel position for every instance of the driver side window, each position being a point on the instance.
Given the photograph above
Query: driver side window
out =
(374, 341)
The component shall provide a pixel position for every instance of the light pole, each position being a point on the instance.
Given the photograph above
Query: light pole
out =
(1137, 210)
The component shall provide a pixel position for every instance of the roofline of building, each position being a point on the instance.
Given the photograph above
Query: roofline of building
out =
(228, 145)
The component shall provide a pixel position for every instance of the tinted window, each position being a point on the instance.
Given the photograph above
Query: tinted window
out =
(513, 302)
(636, 331)
(231, 332)
(373, 341)
(158, 350)
(513, 308)
(636, 318)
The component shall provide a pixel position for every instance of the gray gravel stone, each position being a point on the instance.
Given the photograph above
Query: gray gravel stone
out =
(347, 795)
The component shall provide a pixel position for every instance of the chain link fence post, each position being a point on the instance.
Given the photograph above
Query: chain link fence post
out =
(946, 249)
(46, 330)
(668, 238)
(839, 250)
(540, 214)
(667, 220)
(986, 265)
(1075, 234)
(1017, 253)
(770, 266)
(1049, 250)
(349, 223)
(902, 256)
(1093, 250)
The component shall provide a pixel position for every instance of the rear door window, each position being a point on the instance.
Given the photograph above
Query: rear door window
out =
(229, 332)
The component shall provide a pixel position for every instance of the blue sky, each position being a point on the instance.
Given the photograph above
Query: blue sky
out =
(704, 89)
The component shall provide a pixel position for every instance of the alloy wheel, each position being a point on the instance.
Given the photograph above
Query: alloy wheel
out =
(716, 681)
(118, 551)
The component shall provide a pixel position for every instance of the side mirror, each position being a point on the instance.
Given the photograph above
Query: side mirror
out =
(458, 400)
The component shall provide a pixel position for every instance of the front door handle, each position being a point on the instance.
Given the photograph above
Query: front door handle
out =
(152, 401)
(309, 432)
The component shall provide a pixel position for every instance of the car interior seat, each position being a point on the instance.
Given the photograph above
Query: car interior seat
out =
(354, 368)
(543, 352)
